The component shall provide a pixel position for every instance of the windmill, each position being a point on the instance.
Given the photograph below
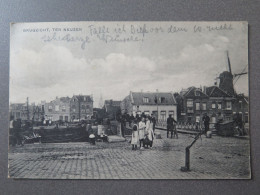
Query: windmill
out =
(228, 79)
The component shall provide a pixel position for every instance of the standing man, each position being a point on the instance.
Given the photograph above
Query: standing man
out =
(206, 120)
(170, 126)
(123, 125)
(153, 121)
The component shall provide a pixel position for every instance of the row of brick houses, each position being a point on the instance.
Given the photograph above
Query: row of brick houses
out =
(68, 109)
(194, 102)
(64, 108)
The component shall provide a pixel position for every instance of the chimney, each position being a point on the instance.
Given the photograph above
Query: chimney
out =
(204, 89)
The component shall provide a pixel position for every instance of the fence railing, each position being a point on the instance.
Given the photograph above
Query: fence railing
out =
(185, 125)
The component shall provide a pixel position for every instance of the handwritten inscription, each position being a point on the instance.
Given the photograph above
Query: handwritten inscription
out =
(122, 33)
(67, 38)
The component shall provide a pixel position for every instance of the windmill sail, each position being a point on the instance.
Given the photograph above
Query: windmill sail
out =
(229, 65)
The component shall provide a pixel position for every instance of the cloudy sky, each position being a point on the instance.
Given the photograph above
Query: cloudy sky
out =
(45, 63)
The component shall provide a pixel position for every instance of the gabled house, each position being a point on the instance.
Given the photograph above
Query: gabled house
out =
(212, 100)
(220, 104)
(193, 103)
(58, 109)
(160, 104)
(81, 107)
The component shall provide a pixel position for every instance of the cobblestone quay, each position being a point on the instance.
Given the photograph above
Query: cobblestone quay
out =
(211, 158)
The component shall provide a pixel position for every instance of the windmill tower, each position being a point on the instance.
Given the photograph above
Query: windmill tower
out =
(226, 79)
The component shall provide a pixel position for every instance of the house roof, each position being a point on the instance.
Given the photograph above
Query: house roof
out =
(243, 97)
(215, 91)
(17, 106)
(65, 99)
(81, 98)
(192, 93)
(137, 98)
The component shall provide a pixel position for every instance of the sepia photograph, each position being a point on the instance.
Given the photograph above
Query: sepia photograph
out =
(129, 100)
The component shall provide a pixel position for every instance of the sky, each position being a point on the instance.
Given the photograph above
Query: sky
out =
(47, 61)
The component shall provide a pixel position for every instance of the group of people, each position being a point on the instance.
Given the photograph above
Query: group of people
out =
(143, 131)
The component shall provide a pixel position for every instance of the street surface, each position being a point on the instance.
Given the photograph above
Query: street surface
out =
(211, 158)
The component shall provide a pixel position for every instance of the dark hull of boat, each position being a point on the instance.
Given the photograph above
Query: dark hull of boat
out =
(63, 135)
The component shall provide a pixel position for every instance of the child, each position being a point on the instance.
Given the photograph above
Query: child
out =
(135, 137)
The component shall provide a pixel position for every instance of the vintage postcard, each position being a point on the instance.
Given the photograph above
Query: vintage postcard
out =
(129, 100)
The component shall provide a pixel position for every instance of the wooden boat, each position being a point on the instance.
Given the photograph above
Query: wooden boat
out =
(60, 134)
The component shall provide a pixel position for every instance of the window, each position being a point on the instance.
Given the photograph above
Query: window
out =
(63, 108)
(228, 118)
(73, 108)
(246, 117)
(240, 104)
(163, 115)
(50, 109)
(197, 119)
(197, 93)
(163, 100)
(228, 106)
(204, 106)
(145, 100)
(197, 106)
(171, 112)
(189, 110)
(56, 107)
(61, 118)
(189, 103)
(219, 105)
(213, 106)
(83, 107)
(213, 119)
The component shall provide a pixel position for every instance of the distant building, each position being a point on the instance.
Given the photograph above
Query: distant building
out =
(212, 100)
(81, 107)
(160, 104)
(18, 111)
(112, 108)
(26, 112)
(58, 109)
